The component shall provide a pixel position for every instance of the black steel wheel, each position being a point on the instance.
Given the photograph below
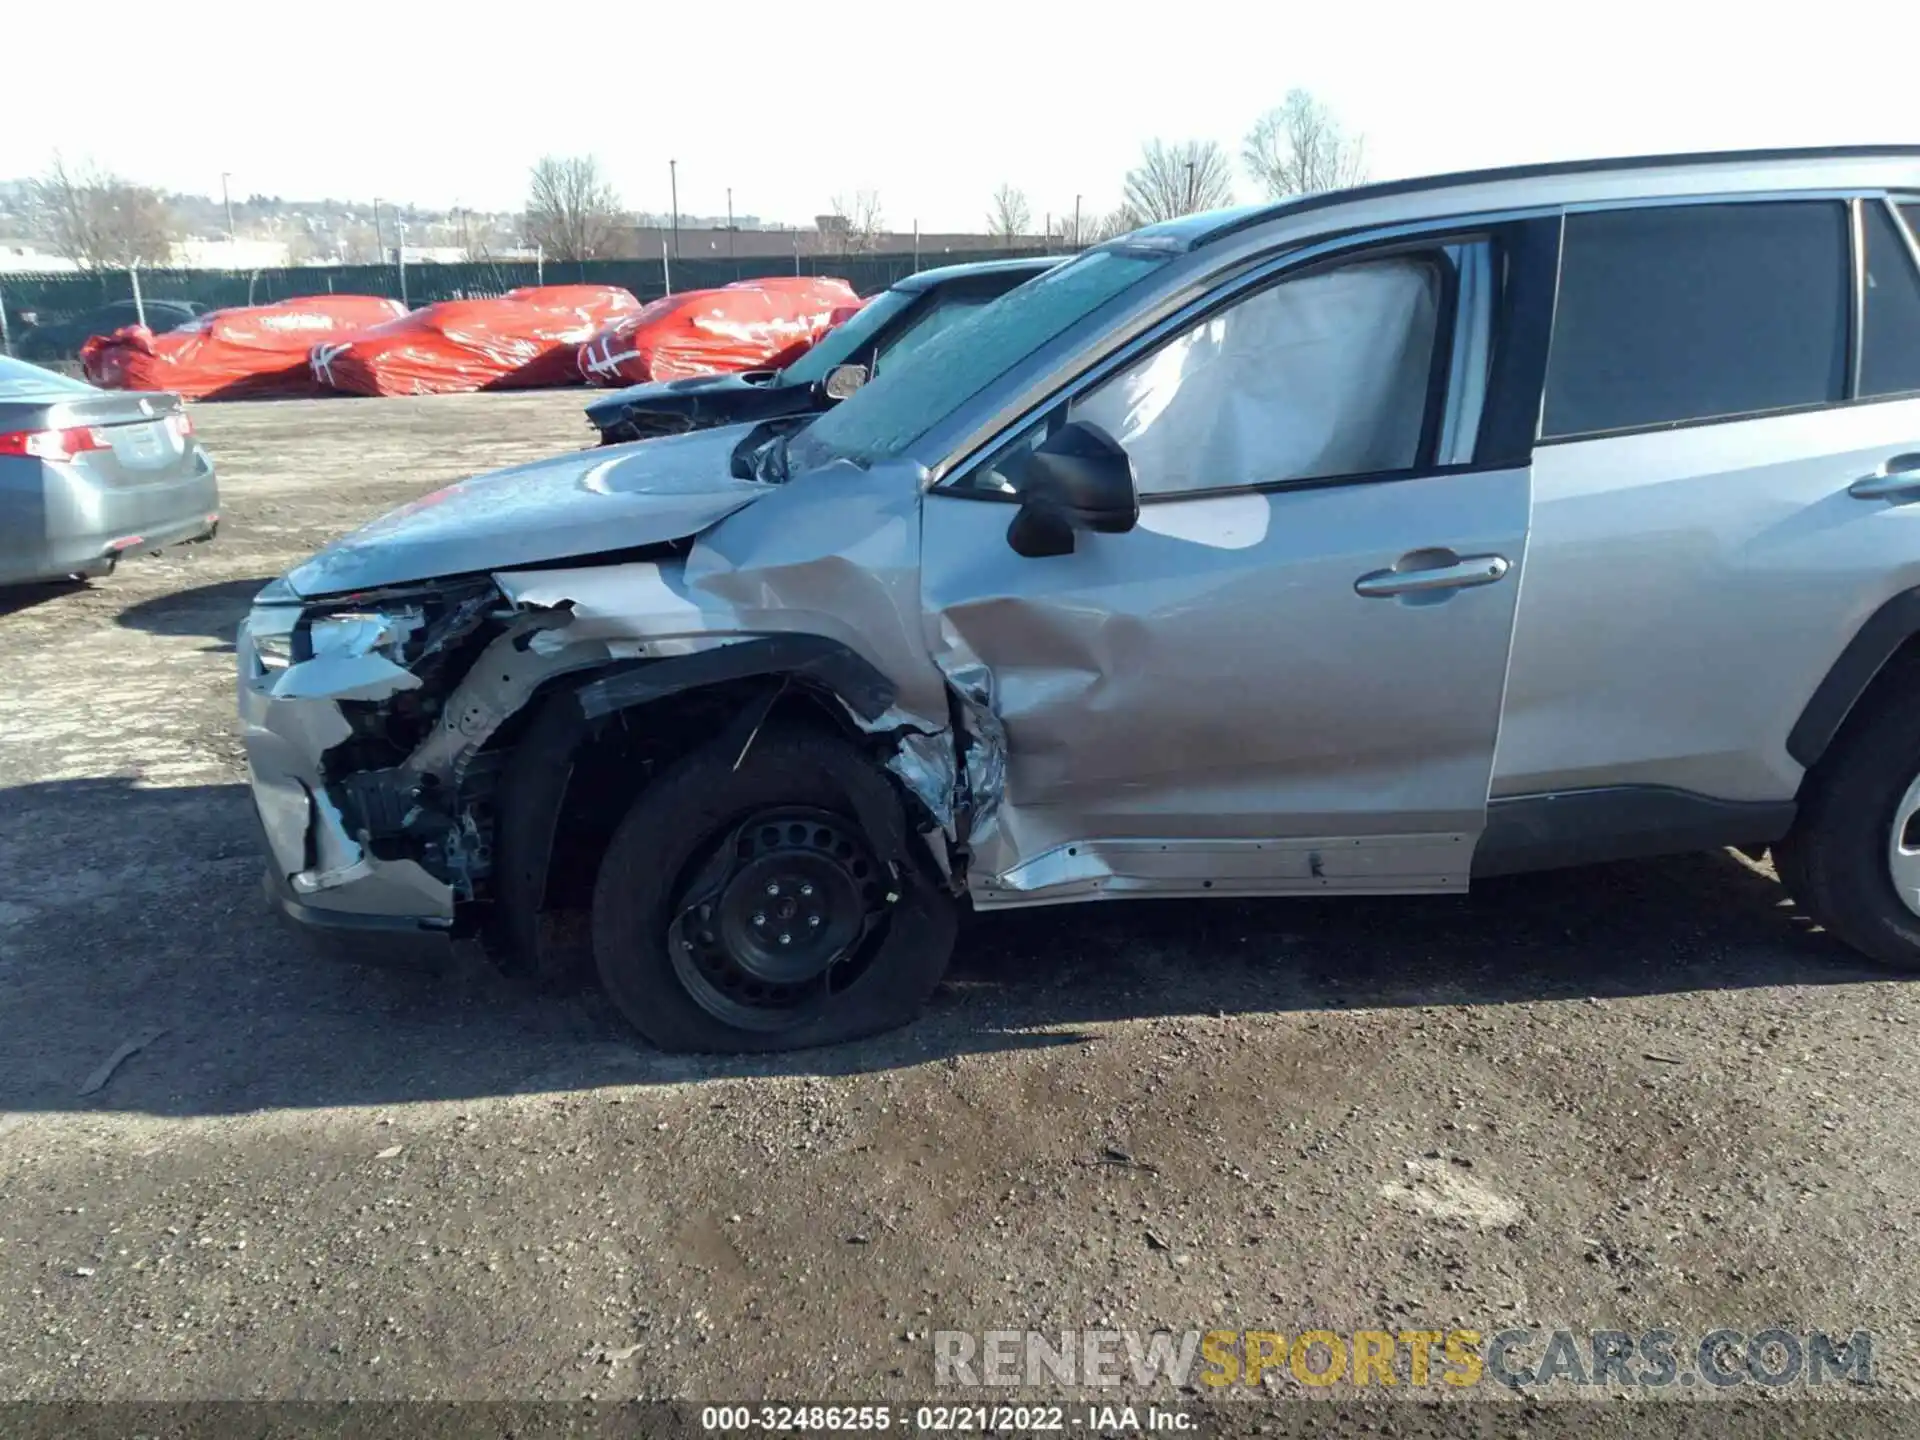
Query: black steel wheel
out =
(785, 911)
(769, 905)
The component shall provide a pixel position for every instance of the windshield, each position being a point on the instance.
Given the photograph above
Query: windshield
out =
(903, 402)
(947, 308)
(843, 341)
(19, 379)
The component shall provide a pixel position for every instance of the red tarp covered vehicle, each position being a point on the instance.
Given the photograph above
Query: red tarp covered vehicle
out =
(522, 340)
(250, 350)
(749, 325)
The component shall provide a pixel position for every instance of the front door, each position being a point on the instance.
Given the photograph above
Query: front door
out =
(1288, 677)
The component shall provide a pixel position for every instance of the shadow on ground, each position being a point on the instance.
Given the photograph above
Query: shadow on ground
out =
(126, 910)
(15, 598)
(210, 611)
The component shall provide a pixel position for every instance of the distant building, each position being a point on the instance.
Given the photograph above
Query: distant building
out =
(230, 254)
(20, 258)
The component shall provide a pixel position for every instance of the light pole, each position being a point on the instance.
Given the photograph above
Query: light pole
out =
(379, 236)
(1190, 205)
(1076, 222)
(227, 200)
(731, 250)
(673, 189)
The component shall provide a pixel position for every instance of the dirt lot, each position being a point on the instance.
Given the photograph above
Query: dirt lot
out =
(1628, 1097)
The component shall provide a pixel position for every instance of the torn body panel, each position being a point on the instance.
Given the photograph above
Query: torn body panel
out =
(814, 583)
(289, 725)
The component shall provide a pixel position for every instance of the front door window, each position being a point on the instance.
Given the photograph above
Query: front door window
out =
(1325, 376)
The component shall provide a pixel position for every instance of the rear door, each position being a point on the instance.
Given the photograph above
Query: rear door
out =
(1288, 677)
(1722, 375)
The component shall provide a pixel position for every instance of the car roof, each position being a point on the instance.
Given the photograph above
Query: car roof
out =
(1562, 182)
(1028, 265)
(23, 381)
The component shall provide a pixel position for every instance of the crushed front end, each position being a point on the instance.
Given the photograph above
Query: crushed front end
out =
(335, 697)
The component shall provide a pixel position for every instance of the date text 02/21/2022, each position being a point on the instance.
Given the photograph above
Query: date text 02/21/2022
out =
(945, 1419)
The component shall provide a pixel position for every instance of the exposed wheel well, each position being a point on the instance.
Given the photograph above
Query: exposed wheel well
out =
(572, 778)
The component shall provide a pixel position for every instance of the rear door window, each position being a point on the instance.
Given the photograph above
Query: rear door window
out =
(1672, 314)
(1890, 346)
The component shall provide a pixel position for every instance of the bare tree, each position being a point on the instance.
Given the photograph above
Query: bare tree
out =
(1178, 179)
(1298, 148)
(358, 244)
(852, 224)
(300, 247)
(1010, 215)
(1116, 222)
(572, 210)
(97, 220)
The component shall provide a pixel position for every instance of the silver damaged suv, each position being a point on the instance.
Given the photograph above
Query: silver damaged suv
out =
(1371, 542)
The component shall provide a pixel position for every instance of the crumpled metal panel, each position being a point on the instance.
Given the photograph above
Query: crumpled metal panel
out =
(285, 736)
(836, 553)
(925, 766)
(343, 677)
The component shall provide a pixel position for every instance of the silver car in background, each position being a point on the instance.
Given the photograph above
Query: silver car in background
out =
(90, 477)
(1359, 544)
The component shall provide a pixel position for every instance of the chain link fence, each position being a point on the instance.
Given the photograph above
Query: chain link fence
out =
(50, 298)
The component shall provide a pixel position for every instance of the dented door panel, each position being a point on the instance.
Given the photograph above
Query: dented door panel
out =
(1207, 702)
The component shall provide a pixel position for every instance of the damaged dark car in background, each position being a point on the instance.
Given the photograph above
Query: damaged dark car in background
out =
(1191, 568)
(888, 330)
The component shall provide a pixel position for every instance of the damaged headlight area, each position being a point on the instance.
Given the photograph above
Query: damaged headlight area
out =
(361, 647)
(351, 686)
(366, 632)
(404, 628)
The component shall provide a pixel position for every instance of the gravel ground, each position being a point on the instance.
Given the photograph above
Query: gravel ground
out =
(1615, 1098)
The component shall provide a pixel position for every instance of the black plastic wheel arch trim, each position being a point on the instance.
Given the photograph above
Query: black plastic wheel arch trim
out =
(1618, 822)
(827, 663)
(1865, 656)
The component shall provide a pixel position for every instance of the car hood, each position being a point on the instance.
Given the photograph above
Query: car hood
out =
(581, 503)
(654, 390)
(707, 399)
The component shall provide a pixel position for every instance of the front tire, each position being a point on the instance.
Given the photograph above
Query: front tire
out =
(1852, 859)
(774, 905)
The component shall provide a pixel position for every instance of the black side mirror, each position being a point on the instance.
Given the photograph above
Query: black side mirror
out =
(1078, 478)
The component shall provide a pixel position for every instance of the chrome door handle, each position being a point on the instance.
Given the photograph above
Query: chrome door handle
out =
(1421, 571)
(1897, 480)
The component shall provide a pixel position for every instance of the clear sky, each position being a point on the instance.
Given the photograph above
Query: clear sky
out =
(931, 105)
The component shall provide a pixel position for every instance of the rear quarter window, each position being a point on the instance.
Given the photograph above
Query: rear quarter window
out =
(1672, 314)
(1890, 346)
